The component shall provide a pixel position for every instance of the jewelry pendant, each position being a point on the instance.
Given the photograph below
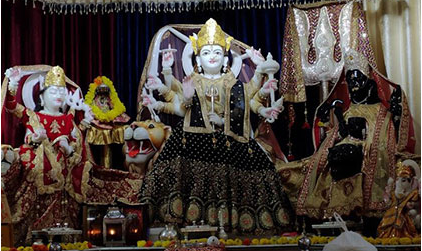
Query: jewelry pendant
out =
(184, 142)
(250, 151)
(228, 144)
(214, 142)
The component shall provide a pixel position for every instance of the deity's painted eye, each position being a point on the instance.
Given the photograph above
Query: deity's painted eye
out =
(62, 90)
(52, 90)
(151, 126)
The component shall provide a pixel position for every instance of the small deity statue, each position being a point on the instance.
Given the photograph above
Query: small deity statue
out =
(348, 173)
(211, 164)
(402, 218)
(109, 118)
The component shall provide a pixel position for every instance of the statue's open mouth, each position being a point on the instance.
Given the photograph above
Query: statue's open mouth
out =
(143, 146)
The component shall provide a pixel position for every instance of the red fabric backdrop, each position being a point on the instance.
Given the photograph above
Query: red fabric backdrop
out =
(84, 45)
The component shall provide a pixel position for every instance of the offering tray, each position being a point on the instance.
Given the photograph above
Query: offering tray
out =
(333, 225)
(57, 231)
(198, 229)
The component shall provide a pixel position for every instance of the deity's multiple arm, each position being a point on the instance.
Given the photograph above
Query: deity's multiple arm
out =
(179, 96)
(172, 96)
(257, 59)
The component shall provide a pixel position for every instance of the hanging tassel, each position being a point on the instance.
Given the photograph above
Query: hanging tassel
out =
(306, 124)
(290, 156)
(291, 114)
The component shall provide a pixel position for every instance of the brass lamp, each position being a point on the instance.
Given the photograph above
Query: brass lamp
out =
(114, 227)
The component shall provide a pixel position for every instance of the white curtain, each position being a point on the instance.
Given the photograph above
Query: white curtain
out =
(395, 32)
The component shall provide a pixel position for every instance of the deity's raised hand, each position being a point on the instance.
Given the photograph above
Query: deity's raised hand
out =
(255, 56)
(153, 83)
(269, 85)
(14, 75)
(188, 88)
(168, 57)
(39, 135)
(147, 99)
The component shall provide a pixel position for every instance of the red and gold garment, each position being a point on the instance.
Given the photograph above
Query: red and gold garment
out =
(362, 193)
(49, 185)
(45, 186)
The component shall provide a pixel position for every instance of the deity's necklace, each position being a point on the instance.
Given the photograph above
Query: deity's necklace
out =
(366, 98)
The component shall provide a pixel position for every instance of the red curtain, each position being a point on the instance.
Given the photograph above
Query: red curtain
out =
(84, 45)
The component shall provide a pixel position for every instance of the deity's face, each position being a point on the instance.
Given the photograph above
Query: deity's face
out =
(211, 58)
(356, 81)
(54, 98)
(403, 186)
(359, 85)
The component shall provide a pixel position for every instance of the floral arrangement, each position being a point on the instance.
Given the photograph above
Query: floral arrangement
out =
(117, 106)
(276, 240)
(65, 246)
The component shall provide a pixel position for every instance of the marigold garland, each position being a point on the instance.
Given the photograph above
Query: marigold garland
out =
(118, 106)
(276, 240)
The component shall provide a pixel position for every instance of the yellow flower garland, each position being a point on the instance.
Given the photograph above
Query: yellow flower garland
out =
(118, 106)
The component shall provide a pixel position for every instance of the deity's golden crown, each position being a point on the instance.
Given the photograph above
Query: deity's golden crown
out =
(405, 171)
(210, 34)
(55, 77)
(355, 60)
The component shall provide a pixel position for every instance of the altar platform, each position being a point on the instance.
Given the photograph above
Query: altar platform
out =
(286, 247)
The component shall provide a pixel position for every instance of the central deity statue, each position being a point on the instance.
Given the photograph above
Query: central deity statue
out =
(211, 168)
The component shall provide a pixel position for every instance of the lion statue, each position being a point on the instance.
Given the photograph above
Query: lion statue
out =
(143, 142)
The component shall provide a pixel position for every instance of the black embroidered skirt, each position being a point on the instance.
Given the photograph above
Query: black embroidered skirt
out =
(214, 178)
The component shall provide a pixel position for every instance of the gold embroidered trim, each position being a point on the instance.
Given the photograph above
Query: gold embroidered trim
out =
(33, 120)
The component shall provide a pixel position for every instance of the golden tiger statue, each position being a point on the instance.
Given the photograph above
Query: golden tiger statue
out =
(143, 141)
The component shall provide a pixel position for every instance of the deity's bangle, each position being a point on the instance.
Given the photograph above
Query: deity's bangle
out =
(85, 124)
(259, 110)
(160, 106)
(163, 90)
(262, 95)
(30, 142)
(188, 103)
(167, 71)
(12, 91)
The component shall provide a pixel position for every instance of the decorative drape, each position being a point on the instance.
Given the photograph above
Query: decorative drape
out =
(395, 30)
(157, 6)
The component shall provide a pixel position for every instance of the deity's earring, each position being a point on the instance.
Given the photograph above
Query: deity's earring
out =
(199, 68)
(42, 101)
(225, 64)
